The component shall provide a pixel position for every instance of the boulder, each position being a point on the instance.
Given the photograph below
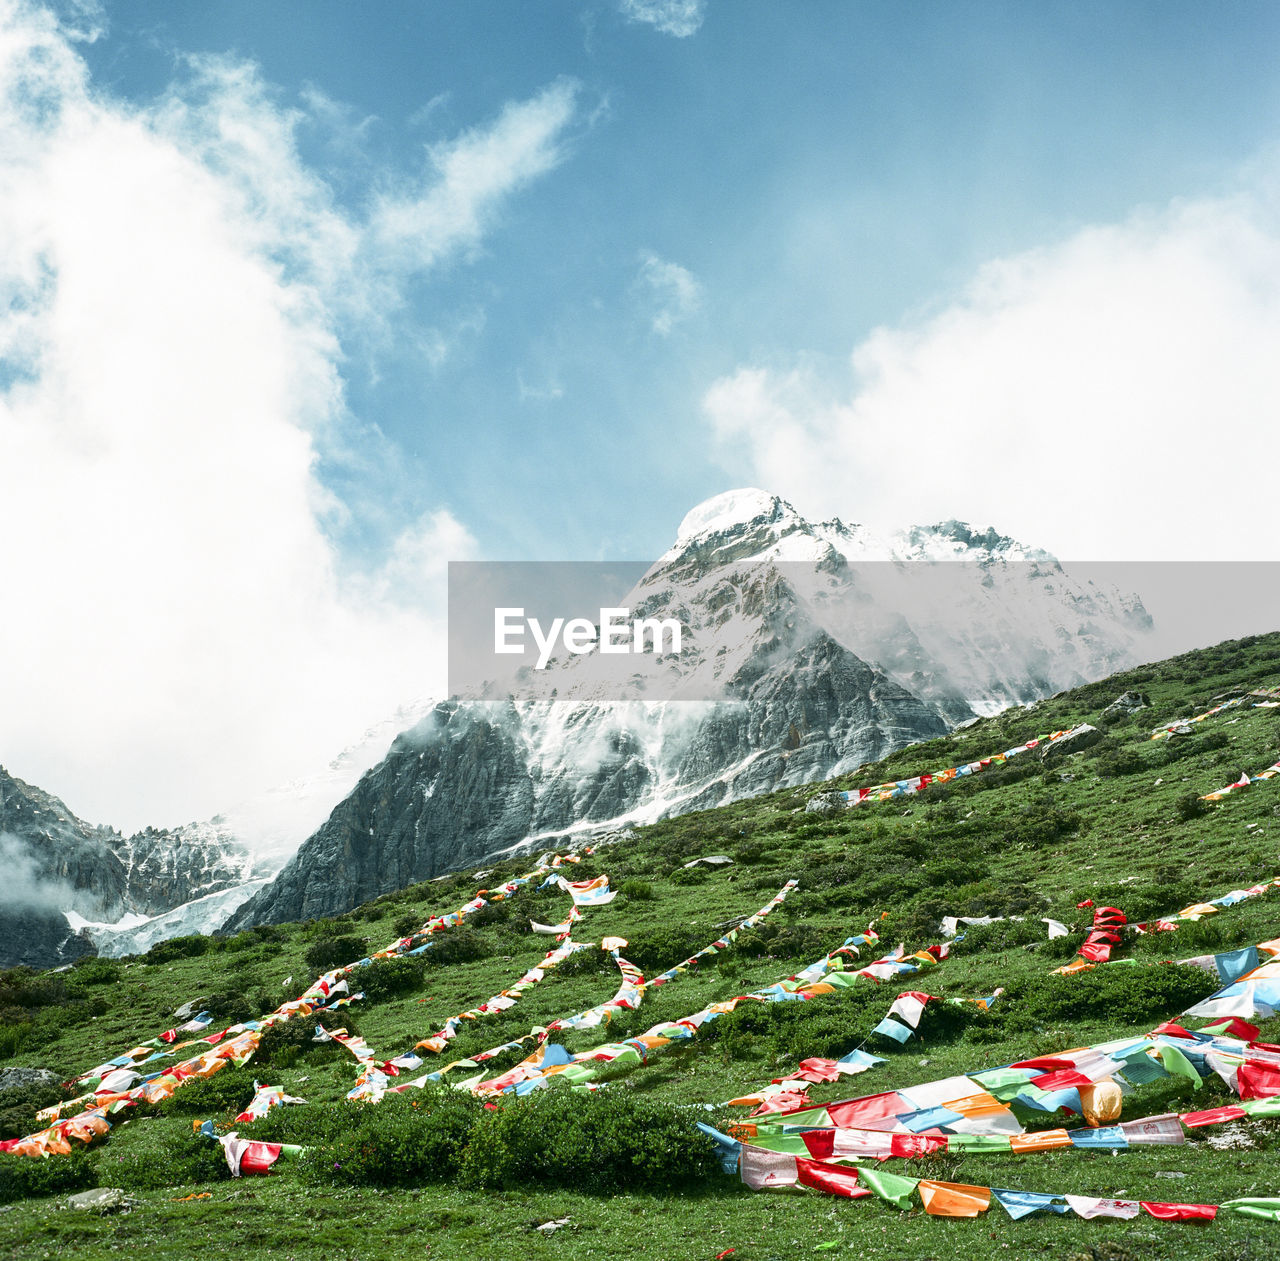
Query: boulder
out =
(712, 860)
(825, 803)
(13, 1077)
(1125, 704)
(1082, 738)
(101, 1200)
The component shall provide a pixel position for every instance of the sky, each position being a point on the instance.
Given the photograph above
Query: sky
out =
(303, 300)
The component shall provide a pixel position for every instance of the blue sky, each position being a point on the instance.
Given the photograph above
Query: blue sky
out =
(818, 169)
(303, 300)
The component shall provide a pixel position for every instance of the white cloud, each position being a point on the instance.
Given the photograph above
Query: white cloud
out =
(175, 289)
(673, 292)
(680, 18)
(414, 573)
(1105, 397)
(470, 177)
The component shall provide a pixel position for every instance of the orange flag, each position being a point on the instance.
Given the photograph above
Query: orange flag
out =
(954, 1199)
(1042, 1141)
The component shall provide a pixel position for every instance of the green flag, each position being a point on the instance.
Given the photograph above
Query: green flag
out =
(1251, 1207)
(978, 1143)
(888, 1186)
(1178, 1065)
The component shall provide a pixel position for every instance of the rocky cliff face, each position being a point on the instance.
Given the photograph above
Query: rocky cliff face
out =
(477, 777)
(823, 645)
(61, 872)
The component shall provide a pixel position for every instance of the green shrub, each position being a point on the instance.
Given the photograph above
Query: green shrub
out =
(334, 952)
(828, 1026)
(656, 949)
(19, 1105)
(177, 948)
(490, 913)
(1189, 806)
(404, 1141)
(584, 962)
(608, 1141)
(636, 890)
(180, 1157)
(388, 977)
(457, 945)
(27, 989)
(92, 970)
(1113, 994)
(283, 1042)
(227, 1091)
(407, 924)
(227, 1007)
(690, 875)
(24, 1178)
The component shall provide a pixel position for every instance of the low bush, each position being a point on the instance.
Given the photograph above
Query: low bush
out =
(180, 1157)
(610, 1141)
(584, 962)
(636, 890)
(401, 1142)
(407, 924)
(24, 1178)
(27, 989)
(388, 977)
(334, 952)
(457, 945)
(177, 948)
(227, 1091)
(284, 1042)
(1113, 994)
(19, 1105)
(92, 970)
(656, 949)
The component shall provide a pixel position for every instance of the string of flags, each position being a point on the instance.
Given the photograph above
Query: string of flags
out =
(914, 784)
(1180, 725)
(975, 1113)
(827, 976)
(1109, 922)
(110, 1092)
(1243, 782)
(373, 1084)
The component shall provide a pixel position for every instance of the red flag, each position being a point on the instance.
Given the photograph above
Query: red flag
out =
(829, 1178)
(1258, 1080)
(1212, 1116)
(821, 1143)
(1181, 1212)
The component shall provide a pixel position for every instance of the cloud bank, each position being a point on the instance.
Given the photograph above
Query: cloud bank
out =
(1104, 397)
(177, 290)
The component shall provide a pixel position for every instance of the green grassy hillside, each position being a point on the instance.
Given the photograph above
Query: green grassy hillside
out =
(1119, 823)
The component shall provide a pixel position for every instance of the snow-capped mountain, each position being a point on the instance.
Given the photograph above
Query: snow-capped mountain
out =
(75, 888)
(62, 874)
(812, 647)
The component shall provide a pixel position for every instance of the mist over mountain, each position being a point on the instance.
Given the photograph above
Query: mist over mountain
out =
(62, 874)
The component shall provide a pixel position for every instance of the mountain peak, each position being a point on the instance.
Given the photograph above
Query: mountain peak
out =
(732, 508)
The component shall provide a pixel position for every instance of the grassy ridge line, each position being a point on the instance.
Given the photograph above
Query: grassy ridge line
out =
(1024, 840)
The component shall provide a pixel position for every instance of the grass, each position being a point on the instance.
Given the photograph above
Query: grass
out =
(1106, 824)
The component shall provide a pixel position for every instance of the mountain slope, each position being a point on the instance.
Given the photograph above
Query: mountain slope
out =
(816, 647)
(1033, 839)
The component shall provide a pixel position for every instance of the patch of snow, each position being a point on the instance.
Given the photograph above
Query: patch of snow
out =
(723, 512)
